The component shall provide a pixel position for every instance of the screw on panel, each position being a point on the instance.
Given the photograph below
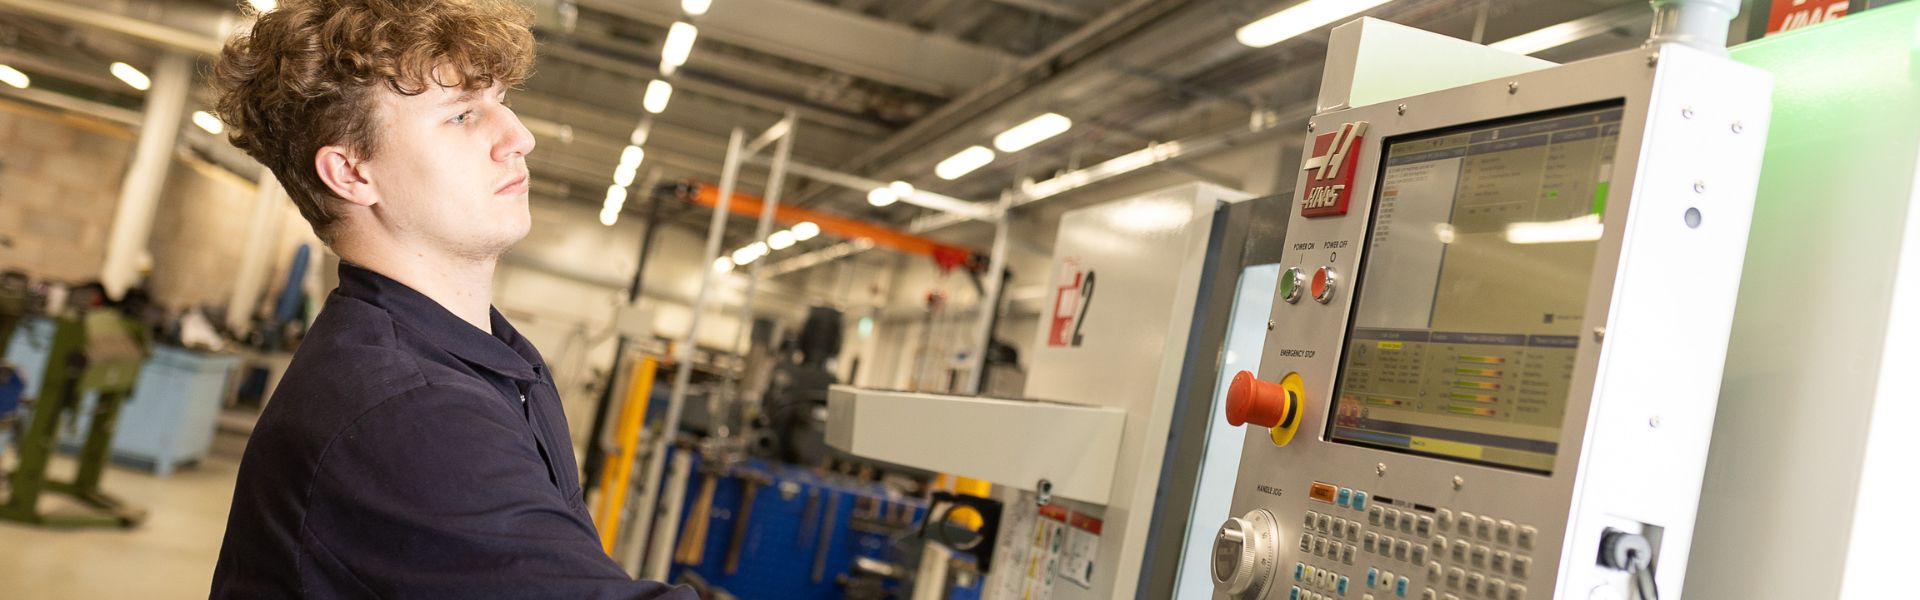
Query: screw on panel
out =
(1699, 187)
(1043, 492)
(1380, 469)
(1686, 111)
(1599, 334)
(1653, 59)
(1459, 482)
(1513, 87)
(1654, 422)
(1737, 127)
(1402, 109)
(1309, 125)
(1270, 325)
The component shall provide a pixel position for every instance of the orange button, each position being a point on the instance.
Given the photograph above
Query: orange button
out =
(1323, 492)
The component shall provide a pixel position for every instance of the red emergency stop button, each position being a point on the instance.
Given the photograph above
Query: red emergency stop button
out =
(1324, 280)
(1250, 400)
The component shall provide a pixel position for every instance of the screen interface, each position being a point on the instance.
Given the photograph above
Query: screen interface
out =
(1475, 280)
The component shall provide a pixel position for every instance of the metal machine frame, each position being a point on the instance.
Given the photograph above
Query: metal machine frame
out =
(1634, 439)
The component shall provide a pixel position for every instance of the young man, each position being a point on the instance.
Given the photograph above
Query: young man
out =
(415, 446)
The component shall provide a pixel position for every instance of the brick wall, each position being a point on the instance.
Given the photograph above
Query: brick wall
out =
(59, 182)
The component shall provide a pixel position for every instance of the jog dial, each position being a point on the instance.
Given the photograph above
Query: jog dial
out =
(1244, 554)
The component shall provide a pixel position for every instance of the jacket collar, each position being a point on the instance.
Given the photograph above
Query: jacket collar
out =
(504, 352)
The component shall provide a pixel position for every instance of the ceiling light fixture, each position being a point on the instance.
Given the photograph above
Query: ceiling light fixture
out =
(805, 230)
(133, 77)
(722, 264)
(1034, 131)
(14, 77)
(262, 5)
(901, 189)
(206, 120)
(1299, 18)
(631, 156)
(882, 196)
(963, 162)
(695, 8)
(678, 47)
(658, 93)
(780, 240)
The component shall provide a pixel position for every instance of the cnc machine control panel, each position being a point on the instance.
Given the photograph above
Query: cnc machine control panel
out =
(1494, 359)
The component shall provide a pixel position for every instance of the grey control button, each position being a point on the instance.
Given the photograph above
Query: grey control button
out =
(1386, 547)
(1306, 542)
(1407, 522)
(1419, 553)
(1392, 518)
(1400, 549)
(1485, 529)
(1496, 587)
(1504, 532)
(1339, 528)
(1319, 546)
(1466, 523)
(1474, 582)
(1454, 577)
(1439, 545)
(1371, 539)
(1373, 515)
(1522, 566)
(1452, 597)
(1480, 554)
(1429, 594)
(1499, 564)
(1516, 592)
(1433, 571)
(1312, 517)
(1525, 538)
(1346, 554)
(1446, 520)
(1353, 531)
(1425, 526)
(1460, 551)
(1326, 523)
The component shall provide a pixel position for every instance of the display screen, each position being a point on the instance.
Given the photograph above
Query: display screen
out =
(1473, 289)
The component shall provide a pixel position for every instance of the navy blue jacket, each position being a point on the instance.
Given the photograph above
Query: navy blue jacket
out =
(408, 454)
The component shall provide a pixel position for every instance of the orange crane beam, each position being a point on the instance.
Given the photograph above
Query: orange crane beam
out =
(946, 255)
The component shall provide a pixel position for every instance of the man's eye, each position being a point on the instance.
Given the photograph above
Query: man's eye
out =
(463, 118)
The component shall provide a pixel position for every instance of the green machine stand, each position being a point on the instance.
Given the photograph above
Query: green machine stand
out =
(99, 352)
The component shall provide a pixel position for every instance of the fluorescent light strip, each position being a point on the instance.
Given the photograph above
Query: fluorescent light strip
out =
(658, 93)
(695, 8)
(964, 162)
(14, 77)
(1034, 131)
(205, 120)
(1578, 229)
(678, 47)
(131, 76)
(1300, 18)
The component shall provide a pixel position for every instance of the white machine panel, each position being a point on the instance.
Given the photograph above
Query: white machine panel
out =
(1506, 336)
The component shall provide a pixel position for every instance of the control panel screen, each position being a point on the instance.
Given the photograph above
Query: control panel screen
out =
(1471, 295)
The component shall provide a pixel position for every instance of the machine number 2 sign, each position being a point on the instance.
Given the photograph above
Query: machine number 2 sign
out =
(1072, 297)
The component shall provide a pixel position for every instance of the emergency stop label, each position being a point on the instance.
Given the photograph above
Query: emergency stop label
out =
(1329, 171)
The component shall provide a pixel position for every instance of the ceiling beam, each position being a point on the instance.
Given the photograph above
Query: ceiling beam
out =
(817, 34)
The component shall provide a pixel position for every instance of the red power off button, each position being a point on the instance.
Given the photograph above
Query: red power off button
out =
(1250, 400)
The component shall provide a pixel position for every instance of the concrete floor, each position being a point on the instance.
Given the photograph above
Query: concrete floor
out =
(171, 555)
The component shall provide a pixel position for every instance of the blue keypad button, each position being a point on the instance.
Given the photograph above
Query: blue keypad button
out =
(1345, 498)
(1293, 594)
(1359, 500)
(1400, 587)
(1373, 577)
(1343, 585)
(1299, 571)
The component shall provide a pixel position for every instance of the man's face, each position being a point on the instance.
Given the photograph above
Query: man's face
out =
(451, 170)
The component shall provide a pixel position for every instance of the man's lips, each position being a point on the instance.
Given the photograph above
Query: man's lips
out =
(516, 186)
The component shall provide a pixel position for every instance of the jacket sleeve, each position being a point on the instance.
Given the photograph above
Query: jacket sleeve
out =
(441, 492)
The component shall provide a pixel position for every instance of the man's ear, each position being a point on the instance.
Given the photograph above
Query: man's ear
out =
(345, 174)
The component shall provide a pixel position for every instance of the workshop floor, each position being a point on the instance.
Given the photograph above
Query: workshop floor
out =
(169, 556)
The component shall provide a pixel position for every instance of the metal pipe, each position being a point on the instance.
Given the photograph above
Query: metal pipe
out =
(921, 198)
(990, 297)
(782, 150)
(682, 377)
(596, 455)
(1698, 23)
(152, 158)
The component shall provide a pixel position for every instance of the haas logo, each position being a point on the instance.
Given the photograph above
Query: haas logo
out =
(1329, 171)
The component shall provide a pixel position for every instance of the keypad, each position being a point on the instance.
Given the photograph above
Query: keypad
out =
(1408, 549)
(1477, 556)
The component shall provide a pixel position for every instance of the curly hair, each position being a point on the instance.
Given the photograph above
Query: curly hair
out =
(302, 78)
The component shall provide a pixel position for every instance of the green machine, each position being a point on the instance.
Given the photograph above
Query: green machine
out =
(101, 352)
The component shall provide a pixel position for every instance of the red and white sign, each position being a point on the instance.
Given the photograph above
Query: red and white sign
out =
(1073, 292)
(1789, 15)
(1329, 171)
